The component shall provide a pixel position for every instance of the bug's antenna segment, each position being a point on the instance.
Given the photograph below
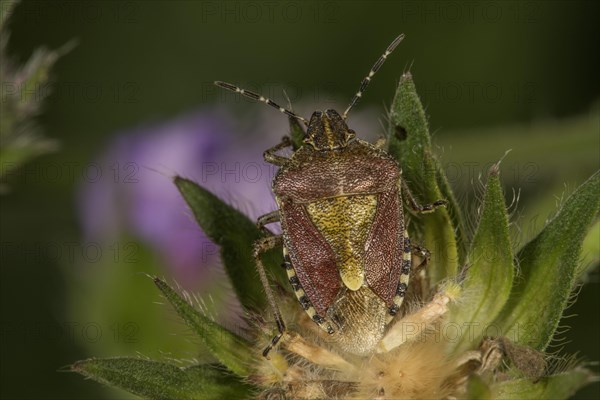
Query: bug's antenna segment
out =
(374, 69)
(258, 97)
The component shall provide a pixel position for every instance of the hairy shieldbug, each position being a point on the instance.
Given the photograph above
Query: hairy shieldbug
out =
(346, 249)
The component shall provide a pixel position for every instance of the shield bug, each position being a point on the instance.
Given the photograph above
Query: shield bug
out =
(345, 245)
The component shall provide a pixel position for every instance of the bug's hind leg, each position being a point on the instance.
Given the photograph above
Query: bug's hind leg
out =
(424, 254)
(261, 246)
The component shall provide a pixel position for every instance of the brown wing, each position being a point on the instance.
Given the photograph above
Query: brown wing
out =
(384, 248)
(311, 256)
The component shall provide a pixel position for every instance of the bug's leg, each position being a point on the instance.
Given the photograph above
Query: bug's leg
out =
(419, 281)
(272, 158)
(415, 206)
(261, 246)
(268, 218)
(424, 254)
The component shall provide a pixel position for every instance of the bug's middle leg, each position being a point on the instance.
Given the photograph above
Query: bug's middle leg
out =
(420, 208)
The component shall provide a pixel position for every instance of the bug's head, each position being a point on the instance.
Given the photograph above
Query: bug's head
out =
(328, 131)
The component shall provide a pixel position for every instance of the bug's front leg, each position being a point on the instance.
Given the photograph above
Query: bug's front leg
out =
(272, 158)
(415, 206)
(261, 246)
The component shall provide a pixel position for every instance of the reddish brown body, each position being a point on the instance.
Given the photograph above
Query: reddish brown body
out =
(346, 250)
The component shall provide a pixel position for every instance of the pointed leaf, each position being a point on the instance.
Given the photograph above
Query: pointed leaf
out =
(410, 144)
(549, 265)
(556, 387)
(235, 233)
(161, 381)
(590, 252)
(230, 349)
(455, 212)
(489, 276)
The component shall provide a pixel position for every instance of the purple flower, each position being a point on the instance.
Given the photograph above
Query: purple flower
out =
(136, 195)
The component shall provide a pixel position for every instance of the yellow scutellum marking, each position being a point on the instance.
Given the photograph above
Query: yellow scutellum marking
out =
(345, 222)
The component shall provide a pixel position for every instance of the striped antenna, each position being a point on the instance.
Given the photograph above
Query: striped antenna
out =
(258, 97)
(374, 69)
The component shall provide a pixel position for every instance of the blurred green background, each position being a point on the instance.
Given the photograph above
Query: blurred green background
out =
(492, 75)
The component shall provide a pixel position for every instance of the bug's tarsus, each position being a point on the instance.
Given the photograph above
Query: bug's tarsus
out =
(365, 82)
(261, 246)
(255, 96)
